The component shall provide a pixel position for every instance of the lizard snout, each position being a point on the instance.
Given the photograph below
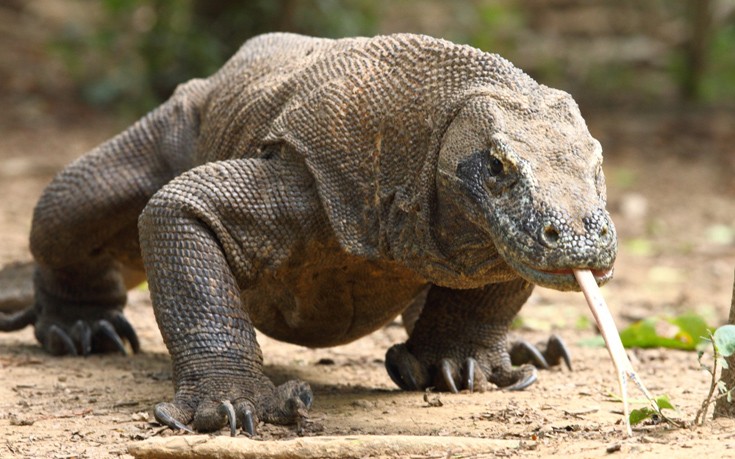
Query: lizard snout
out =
(596, 232)
(562, 244)
(565, 242)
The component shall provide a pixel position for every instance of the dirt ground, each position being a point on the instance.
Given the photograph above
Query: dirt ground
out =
(672, 195)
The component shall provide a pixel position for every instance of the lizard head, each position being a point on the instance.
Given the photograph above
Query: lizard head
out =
(520, 179)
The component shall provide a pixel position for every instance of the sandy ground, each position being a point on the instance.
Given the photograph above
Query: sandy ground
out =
(672, 195)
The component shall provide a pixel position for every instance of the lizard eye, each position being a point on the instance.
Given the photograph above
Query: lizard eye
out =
(495, 167)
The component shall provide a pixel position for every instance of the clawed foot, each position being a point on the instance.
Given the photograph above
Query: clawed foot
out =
(86, 337)
(510, 371)
(99, 331)
(243, 405)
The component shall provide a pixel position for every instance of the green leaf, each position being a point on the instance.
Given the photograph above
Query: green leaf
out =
(725, 340)
(664, 403)
(640, 334)
(641, 414)
(643, 334)
(692, 328)
(688, 334)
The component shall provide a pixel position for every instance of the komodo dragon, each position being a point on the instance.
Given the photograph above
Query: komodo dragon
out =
(314, 189)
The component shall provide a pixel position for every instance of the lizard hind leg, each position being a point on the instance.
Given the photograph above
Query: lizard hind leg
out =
(85, 229)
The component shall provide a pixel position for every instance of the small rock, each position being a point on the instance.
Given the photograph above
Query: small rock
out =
(362, 403)
(140, 416)
(432, 401)
(18, 420)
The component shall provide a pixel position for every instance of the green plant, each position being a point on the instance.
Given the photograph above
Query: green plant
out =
(641, 414)
(685, 332)
(722, 343)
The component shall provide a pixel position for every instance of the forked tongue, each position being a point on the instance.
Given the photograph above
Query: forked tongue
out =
(623, 367)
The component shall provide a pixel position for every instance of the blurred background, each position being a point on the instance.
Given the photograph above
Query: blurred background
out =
(128, 55)
(655, 80)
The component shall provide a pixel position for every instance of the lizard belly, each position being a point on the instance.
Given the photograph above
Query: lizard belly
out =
(329, 297)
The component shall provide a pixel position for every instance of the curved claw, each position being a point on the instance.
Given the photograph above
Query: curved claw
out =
(56, 336)
(448, 375)
(160, 412)
(128, 332)
(83, 335)
(17, 320)
(470, 367)
(524, 352)
(247, 421)
(398, 362)
(528, 376)
(105, 328)
(226, 409)
(403, 379)
(556, 351)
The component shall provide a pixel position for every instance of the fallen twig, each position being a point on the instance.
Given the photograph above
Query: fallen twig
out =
(328, 447)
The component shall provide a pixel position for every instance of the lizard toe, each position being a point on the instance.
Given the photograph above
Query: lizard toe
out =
(448, 371)
(212, 415)
(248, 420)
(455, 378)
(553, 353)
(509, 378)
(106, 337)
(126, 331)
(288, 404)
(405, 370)
(524, 352)
(58, 342)
(228, 411)
(556, 351)
(173, 415)
(82, 334)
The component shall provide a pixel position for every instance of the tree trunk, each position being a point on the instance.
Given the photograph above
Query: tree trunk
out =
(723, 408)
(696, 48)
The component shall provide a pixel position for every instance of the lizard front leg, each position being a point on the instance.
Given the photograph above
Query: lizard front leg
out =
(205, 237)
(460, 340)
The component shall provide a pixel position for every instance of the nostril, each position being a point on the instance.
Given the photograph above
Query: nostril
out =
(605, 233)
(550, 235)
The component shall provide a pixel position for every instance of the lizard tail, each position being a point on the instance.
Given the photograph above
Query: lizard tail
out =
(16, 296)
(17, 320)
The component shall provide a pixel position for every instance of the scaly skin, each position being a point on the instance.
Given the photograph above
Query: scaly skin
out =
(314, 189)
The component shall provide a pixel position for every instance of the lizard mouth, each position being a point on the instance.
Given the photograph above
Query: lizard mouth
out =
(561, 279)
